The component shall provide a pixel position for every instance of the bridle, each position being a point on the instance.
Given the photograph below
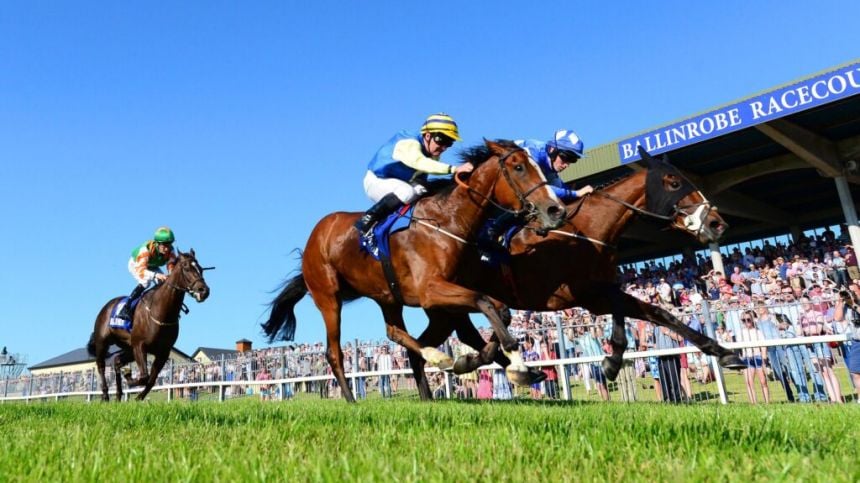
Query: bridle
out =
(694, 218)
(194, 288)
(197, 282)
(528, 208)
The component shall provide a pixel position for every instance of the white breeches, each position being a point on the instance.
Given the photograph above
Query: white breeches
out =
(376, 188)
(148, 277)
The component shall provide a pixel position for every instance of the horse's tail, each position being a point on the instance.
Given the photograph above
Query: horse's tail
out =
(282, 321)
(91, 345)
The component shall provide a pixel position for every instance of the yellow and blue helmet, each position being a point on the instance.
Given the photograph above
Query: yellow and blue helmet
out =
(443, 124)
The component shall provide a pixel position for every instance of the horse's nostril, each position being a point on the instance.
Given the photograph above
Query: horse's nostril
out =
(555, 212)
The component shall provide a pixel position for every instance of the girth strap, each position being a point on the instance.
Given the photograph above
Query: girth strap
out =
(390, 276)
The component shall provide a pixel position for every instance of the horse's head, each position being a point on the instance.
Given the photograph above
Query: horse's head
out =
(521, 186)
(669, 193)
(187, 275)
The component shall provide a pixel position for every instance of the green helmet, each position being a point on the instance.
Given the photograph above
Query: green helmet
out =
(164, 235)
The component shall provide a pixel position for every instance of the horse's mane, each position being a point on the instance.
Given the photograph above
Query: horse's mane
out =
(476, 155)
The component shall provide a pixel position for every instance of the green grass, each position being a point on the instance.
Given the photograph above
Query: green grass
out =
(405, 440)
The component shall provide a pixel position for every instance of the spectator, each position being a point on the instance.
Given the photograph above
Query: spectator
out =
(384, 363)
(755, 357)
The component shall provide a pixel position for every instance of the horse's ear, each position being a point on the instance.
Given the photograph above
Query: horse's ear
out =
(192, 253)
(646, 158)
(494, 147)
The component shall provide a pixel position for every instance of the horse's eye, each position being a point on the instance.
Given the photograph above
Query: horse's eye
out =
(675, 185)
(519, 168)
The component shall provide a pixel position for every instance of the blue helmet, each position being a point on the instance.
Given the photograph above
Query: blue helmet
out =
(567, 140)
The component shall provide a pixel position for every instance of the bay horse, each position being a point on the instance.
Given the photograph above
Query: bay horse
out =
(334, 270)
(154, 330)
(575, 266)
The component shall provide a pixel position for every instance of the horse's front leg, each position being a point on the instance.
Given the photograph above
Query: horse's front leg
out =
(612, 363)
(140, 360)
(446, 295)
(157, 365)
(396, 331)
(488, 352)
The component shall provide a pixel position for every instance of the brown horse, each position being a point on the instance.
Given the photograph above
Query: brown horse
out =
(334, 270)
(575, 266)
(154, 330)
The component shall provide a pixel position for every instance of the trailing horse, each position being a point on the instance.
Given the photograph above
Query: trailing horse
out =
(335, 270)
(576, 266)
(154, 330)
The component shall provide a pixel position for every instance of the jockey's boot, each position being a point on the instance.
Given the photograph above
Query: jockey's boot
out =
(382, 208)
(490, 239)
(125, 313)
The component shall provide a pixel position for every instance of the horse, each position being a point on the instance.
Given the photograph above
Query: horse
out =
(575, 266)
(334, 270)
(154, 330)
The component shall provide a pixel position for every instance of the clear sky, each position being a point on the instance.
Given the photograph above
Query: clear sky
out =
(240, 124)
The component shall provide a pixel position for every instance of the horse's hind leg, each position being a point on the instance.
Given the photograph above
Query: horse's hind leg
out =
(329, 306)
(100, 364)
(157, 365)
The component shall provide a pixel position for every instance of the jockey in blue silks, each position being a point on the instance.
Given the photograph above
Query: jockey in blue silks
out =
(553, 156)
(396, 173)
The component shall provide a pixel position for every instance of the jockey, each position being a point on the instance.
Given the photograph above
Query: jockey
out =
(395, 173)
(553, 156)
(145, 263)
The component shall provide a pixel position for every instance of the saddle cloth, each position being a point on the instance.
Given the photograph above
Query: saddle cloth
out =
(397, 221)
(115, 322)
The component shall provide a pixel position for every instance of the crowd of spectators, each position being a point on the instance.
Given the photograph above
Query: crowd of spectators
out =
(772, 291)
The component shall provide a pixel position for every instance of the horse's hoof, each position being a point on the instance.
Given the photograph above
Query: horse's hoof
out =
(437, 358)
(610, 369)
(519, 376)
(732, 361)
(536, 376)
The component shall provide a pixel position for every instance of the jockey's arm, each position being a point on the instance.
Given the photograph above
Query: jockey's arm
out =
(140, 267)
(408, 152)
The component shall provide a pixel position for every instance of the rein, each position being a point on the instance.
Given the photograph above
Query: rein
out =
(528, 208)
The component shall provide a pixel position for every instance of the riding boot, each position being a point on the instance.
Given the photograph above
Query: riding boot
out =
(490, 240)
(125, 313)
(382, 208)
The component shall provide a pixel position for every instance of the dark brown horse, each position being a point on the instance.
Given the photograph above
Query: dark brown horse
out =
(334, 270)
(575, 266)
(154, 330)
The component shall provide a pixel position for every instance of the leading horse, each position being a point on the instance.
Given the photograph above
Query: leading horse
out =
(334, 270)
(154, 330)
(576, 266)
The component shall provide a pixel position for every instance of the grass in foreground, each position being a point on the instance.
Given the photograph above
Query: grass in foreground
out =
(406, 440)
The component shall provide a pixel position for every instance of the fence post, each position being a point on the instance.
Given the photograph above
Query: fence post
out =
(715, 363)
(449, 382)
(170, 381)
(30, 388)
(562, 354)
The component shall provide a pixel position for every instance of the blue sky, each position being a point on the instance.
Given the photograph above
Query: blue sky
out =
(242, 124)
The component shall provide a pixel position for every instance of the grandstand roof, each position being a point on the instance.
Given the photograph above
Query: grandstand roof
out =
(79, 356)
(766, 161)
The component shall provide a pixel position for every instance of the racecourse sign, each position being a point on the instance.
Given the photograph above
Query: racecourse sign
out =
(809, 93)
